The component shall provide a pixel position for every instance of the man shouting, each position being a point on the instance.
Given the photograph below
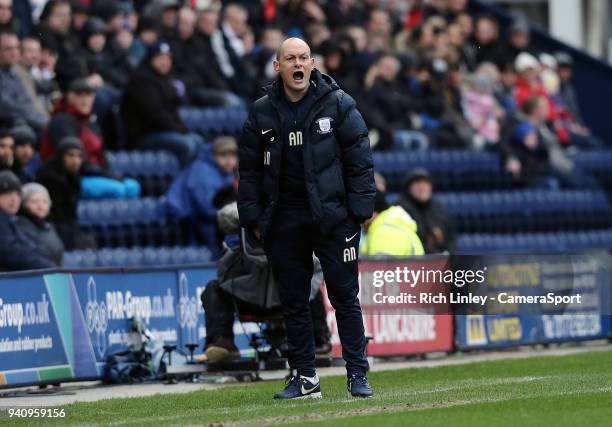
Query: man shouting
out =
(306, 184)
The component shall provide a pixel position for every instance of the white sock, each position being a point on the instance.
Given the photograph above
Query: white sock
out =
(313, 380)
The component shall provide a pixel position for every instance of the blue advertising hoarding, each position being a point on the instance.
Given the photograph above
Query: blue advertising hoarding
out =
(109, 301)
(587, 275)
(43, 335)
(61, 325)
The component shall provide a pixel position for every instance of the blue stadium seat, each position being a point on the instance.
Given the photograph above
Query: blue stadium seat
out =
(137, 257)
(528, 210)
(556, 242)
(459, 170)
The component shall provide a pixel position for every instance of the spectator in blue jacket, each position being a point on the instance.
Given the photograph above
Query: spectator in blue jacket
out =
(17, 252)
(35, 208)
(190, 198)
(26, 160)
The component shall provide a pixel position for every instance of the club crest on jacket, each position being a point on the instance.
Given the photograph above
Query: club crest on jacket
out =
(324, 125)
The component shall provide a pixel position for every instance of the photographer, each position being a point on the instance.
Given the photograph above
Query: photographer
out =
(245, 285)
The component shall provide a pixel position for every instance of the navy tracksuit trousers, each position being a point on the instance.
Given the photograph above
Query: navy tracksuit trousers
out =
(289, 245)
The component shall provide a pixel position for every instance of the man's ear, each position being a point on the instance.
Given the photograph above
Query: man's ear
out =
(276, 65)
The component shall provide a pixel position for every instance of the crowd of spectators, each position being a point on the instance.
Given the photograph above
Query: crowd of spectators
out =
(79, 77)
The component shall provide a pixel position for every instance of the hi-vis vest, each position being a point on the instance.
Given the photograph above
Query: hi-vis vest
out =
(393, 232)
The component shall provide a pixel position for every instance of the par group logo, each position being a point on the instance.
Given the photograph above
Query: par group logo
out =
(96, 317)
(188, 309)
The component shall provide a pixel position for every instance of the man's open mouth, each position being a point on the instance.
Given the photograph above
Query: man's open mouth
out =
(298, 76)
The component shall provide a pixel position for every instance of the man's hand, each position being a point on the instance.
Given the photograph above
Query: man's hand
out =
(437, 234)
(513, 166)
(95, 80)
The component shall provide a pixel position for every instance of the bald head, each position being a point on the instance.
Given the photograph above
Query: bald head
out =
(292, 43)
(294, 64)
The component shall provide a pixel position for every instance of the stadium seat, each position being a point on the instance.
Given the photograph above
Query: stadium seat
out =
(451, 170)
(154, 169)
(528, 210)
(137, 257)
(138, 222)
(556, 242)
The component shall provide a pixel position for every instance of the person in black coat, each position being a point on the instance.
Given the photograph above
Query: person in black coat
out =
(390, 106)
(150, 108)
(486, 41)
(193, 68)
(54, 31)
(434, 224)
(215, 67)
(306, 184)
(33, 221)
(17, 251)
(61, 176)
(104, 56)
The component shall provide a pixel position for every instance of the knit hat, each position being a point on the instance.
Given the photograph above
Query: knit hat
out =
(415, 175)
(225, 144)
(145, 23)
(564, 59)
(23, 134)
(79, 85)
(94, 25)
(227, 219)
(69, 143)
(158, 48)
(31, 188)
(9, 182)
(520, 25)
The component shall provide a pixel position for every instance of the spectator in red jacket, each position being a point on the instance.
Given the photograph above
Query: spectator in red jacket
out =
(73, 118)
(529, 85)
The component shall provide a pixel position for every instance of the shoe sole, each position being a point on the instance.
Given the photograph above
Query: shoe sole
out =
(218, 354)
(316, 395)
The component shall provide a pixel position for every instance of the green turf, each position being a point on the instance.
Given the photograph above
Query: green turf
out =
(554, 390)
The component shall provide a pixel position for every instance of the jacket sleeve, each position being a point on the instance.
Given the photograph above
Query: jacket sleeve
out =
(60, 126)
(352, 133)
(17, 256)
(152, 107)
(250, 168)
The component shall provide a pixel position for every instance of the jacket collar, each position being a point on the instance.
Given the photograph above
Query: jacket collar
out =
(323, 84)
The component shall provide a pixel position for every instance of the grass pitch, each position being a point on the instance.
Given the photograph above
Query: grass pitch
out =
(571, 390)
